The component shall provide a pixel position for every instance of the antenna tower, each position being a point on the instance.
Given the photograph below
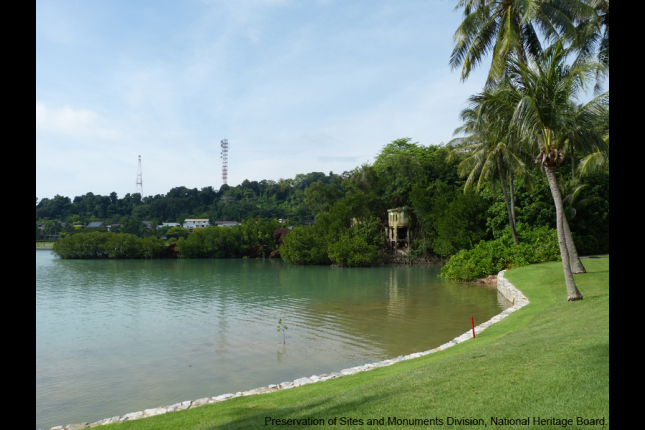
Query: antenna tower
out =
(225, 147)
(140, 179)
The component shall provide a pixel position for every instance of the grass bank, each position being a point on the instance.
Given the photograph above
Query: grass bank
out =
(549, 360)
(44, 245)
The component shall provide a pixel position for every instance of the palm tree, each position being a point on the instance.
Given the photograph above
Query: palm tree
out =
(488, 154)
(544, 118)
(511, 29)
(572, 192)
(594, 163)
(593, 34)
(597, 161)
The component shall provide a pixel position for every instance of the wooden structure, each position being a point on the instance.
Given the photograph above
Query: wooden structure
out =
(398, 230)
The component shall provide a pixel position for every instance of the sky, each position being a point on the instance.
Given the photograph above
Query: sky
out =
(296, 86)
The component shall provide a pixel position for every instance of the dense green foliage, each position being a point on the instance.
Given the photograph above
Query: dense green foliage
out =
(96, 246)
(536, 246)
(447, 220)
(333, 240)
(304, 246)
(450, 219)
(250, 200)
(352, 252)
(251, 238)
(588, 212)
(235, 242)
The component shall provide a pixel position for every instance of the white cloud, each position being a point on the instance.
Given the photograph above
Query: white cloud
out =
(73, 122)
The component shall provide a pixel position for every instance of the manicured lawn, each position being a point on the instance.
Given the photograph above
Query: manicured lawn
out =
(549, 360)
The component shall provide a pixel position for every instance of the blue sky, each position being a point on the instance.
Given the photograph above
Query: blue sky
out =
(295, 85)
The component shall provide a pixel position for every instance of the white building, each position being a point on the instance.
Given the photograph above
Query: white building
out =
(191, 224)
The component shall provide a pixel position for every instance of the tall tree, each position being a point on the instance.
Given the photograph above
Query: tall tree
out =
(487, 147)
(544, 117)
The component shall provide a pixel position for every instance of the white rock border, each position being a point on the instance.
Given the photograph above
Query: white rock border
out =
(507, 289)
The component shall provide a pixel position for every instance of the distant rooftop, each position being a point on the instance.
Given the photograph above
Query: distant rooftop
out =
(226, 223)
(95, 225)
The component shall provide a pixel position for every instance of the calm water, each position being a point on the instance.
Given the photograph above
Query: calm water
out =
(114, 337)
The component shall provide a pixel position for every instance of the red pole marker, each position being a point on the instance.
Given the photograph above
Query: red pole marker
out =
(472, 319)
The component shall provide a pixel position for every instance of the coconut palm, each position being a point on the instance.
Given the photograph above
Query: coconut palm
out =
(511, 30)
(602, 7)
(594, 163)
(597, 161)
(489, 156)
(544, 119)
(593, 34)
(582, 136)
(573, 197)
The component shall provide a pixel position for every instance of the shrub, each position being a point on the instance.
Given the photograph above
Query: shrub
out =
(124, 246)
(303, 246)
(89, 246)
(352, 252)
(153, 248)
(489, 258)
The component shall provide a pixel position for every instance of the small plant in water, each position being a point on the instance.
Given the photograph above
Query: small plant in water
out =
(283, 329)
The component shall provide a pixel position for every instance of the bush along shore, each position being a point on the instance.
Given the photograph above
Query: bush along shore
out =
(255, 238)
(508, 290)
(539, 245)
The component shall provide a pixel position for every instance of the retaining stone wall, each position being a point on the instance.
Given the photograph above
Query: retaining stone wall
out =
(507, 289)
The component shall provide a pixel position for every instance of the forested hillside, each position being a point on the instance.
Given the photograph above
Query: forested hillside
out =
(351, 210)
(285, 199)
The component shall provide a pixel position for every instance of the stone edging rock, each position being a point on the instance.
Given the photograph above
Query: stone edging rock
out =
(507, 289)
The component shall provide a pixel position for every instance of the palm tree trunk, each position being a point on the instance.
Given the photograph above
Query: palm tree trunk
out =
(572, 288)
(576, 264)
(508, 203)
(512, 180)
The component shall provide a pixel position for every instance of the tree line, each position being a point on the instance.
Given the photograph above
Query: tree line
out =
(253, 238)
(284, 199)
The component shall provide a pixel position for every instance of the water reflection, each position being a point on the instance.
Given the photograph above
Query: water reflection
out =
(132, 335)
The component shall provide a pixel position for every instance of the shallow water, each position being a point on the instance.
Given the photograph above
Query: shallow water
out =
(114, 337)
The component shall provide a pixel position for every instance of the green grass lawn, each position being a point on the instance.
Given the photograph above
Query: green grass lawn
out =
(549, 360)
(44, 245)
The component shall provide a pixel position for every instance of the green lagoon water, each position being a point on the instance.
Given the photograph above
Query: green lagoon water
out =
(114, 337)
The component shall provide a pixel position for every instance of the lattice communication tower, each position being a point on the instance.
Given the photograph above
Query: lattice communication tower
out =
(140, 179)
(225, 147)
